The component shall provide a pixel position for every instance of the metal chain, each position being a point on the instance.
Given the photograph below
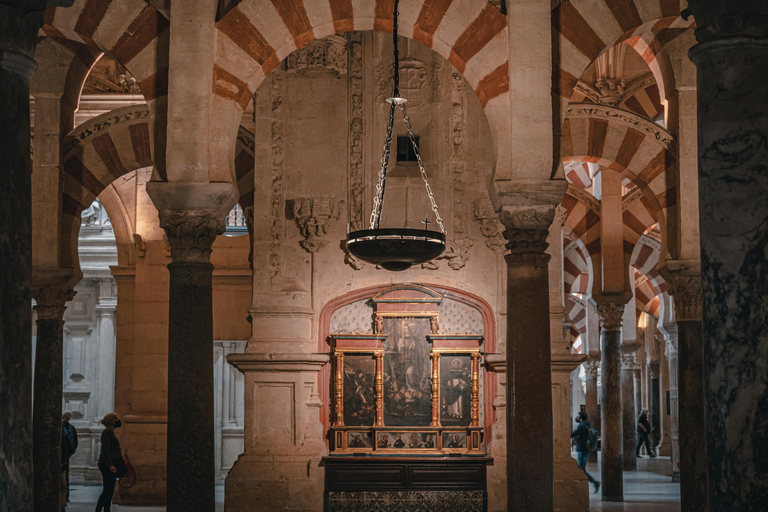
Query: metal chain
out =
(379, 197)
(395, 41)
(421, 168)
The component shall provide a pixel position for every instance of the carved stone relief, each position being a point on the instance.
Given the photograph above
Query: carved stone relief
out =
(356, 182)
(418, 83)
(635, 121)
(329, 53)
(277, 148)
(109, 76)
(490, 226)
(312, 216)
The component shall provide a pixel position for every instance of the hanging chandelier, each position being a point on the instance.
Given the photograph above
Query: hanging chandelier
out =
(397, 248)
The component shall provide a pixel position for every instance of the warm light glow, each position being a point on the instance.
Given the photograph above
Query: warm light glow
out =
(642, 322)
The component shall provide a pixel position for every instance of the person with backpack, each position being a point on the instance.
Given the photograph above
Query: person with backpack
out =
(586, 442)
(643, 429)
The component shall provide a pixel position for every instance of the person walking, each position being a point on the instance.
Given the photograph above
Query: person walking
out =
(111, 463)
(581, 434)
(68, 447)
(643, 429)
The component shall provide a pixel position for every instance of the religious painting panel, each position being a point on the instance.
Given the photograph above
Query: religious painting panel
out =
(407, 385)
(359, 399)
(406, 440)
(454, 440)
(359, 440)
(455, 390)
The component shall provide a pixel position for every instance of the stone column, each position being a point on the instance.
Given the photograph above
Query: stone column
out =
(655, 412)
(629, 426)
(637, 372)
(191, 445)
(610, 398)
(670, 337)
(591, 371)
(19, 23)
(46, 414)
(529, 381)
(686, 290)
(105, 312)
(731, 60)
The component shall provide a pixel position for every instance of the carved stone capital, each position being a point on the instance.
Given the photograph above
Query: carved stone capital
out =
(51, 300)
(611, 90)
(685, 289)
(312, 216)
(716, 19)
(191, 233)
(329, 53)
(629, 355)
(490, 226)
(653, 369)
(592, 367)
(527, 229)
(610, 315)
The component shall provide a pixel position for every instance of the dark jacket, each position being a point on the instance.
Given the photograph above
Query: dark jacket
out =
(110, 448)
(581, 434)
(643, 420)
(68, 441)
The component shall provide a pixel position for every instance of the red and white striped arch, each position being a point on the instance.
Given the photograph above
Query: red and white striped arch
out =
(256, 35)
(134, 33)
(112, 145)
(586, 28)
(646, 102)
(577, 268)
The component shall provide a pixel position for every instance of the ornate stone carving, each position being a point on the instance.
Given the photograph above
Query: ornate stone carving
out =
(51, 300)
(95, 126)
(686, 292)
(329, 53)
(610, 315)
(490, 226)
(457, 255)
(584, 197)
(654, 369)
(349, 259)
(191, 233)
(435, 84)
(109, 76)
(94, 216)
(715, 19)
(592, 367)
(527, 229)
(587, 90)
(356, 169)
(417, 84)
(276, 166)
(456, 501)
(629, 356)
(611, 91)
(637, 85)
(635, 121)
(312, 216)
(139, 245)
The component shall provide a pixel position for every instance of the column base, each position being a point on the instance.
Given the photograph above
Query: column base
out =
(676, 476)
(612, 498)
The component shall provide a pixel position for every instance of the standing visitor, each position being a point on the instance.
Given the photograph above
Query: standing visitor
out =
(68, 447)
(643, 429)
(581, 434)
(111, 463)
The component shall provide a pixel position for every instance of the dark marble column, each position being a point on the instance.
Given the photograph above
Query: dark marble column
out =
(529, 382)
(46, 413)
(19, 23)
(628, 405)
(610, 397)
(190, 466)
(655, 406)
(591, 370)
(670, 338)
(732, 85)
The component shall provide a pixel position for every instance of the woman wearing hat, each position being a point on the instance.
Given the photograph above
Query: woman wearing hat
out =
(110, 460)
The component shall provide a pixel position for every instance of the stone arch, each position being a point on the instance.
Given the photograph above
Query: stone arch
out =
(110, 146)
(256, 35)
(474, 301)
(586, 29)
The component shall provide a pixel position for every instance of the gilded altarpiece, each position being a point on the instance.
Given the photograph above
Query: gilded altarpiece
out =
(406, 388)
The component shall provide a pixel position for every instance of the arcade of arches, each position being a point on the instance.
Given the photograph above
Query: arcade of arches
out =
(195, 165)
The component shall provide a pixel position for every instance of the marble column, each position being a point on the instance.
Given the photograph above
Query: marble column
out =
(629, 427)
(529, 381)
(19, 23)
(731, 60)
(105, 313)
(655, 407)
(670, 337)
(191, 444)
(637, 373)
(50, 305)
(686, 294)
(610, 398)
(591, 371)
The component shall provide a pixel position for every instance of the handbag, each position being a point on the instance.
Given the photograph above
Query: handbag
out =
(121, 467)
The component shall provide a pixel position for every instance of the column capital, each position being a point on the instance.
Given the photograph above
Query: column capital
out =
(527, 229)
(629, 356)
(716, 19)
(52, 288)
(653, 369)
(610, 314)
(191, 233)
(685, 288)
(312, 216)
(592, 367)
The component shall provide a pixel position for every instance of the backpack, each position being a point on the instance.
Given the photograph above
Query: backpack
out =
(592, 439)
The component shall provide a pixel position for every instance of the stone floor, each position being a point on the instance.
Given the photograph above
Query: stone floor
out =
(649, 489)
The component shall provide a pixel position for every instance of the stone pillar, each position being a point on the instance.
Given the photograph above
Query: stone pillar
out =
(629, 427)
(670, 337)
(529, 381)
(50, 301)
(610, 398)
(19, 23)
(591, 371)
(731, 60)
(191, 445)
(637, 373)
(105, 312)
(686, 290)
(655, 408)
(497, 441)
